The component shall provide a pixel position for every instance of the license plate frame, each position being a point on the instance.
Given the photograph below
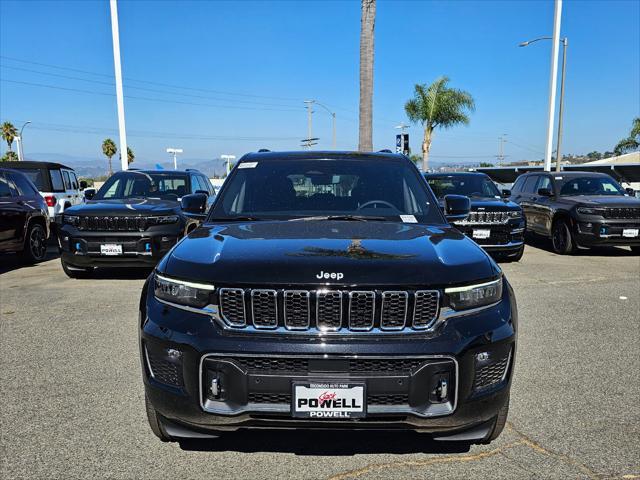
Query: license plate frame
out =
(481, 233)
(111, 249)
(353, 394)
(630, 232)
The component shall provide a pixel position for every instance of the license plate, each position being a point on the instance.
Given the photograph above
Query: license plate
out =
(110, 249)
(481, 234)
(630, 232)
(328, 400)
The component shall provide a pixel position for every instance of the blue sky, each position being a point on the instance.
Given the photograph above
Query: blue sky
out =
(265, 58)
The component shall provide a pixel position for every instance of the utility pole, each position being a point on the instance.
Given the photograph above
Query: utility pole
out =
(553, 83)
(228, 159)
(501, 155)
(115, 33)
(174, 152)
(309, 105)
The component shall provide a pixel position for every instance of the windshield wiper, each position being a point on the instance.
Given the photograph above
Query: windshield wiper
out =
(348, 218)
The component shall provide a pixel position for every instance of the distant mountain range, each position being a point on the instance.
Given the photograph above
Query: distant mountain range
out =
(96, 167)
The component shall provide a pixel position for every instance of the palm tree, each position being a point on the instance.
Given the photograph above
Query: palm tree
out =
(632, 142)
(109, 149)
(130, 156)
(9, 132)
(438, 106)
(367, 25)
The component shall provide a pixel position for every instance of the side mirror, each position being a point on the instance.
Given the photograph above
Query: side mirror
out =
(83, 184)
(506, 193)
(89, 193)
(630, 191)
(203, 191)
(195, 203)
(545, 192)
(456, 207)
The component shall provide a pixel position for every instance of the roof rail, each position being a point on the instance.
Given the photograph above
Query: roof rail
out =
(191, 170)
(264, 150)
(385, 150)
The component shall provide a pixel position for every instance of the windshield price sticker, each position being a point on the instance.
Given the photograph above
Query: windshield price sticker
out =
(248, 165)
(408, 219)
(328, 400)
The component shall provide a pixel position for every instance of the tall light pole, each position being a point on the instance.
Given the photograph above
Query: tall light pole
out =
(20, 143)
(174, 152)
(309, 105)
(565, 42)
(228, 158)
(501, 141)
(115, 33)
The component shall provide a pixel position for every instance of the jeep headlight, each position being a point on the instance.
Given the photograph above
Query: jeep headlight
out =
(197, 295)
(162, 220)
(590, 211)
(514, 214)
(71, 219)
(473, 296)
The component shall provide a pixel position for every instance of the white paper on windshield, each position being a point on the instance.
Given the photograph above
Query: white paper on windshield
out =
(408, 219)
(248, 165)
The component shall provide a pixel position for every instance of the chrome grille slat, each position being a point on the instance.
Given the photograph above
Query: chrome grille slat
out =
(362, 310)
(297, 311)
(329, 310)
(425, 308)
(485, 218)
(264, 308)
(394, 310)
(232, 306)
(112, 223)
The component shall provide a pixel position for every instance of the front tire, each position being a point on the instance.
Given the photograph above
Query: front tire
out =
(561, 238)
(35, 244)
(501, 421)
(154, 421)
(75, 272)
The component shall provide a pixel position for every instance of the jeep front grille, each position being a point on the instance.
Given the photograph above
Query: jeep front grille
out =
(486, 218)
(329, 310)
(112, 224)
(623, 212)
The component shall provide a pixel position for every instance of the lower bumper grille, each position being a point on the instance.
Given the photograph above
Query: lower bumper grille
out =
(491, 373)
(285, 398)
(164, 370)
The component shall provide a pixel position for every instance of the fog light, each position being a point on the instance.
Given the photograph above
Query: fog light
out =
(482, 356)
(173, 354)
(215, 387)
(147, 247)
(77, 245)
(603, 230)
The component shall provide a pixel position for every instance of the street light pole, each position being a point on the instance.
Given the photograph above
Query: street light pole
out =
(115, 33)
(553, 79)
(561, 108)
(333, 122)
(20, 142)
(174, 152)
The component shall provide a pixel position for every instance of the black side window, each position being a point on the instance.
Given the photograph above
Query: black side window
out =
(545, 182)
(24, 186)
(74, 180)
(530, 184)
(5, 191)
(518, 185)
(207, 185)
(56, 181)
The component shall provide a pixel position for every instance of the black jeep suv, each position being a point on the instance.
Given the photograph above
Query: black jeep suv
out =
(132, 221)
(494, 223)
(579, 209)
(328, 290)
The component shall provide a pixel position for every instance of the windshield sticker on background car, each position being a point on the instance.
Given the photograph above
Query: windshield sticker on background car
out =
(408, 219)
(248, 165)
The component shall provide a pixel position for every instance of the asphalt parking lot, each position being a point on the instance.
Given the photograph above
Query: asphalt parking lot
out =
(72, 400)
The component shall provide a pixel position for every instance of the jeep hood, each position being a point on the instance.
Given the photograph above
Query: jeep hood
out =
(297, 252)
(125, 207)
(614, 201)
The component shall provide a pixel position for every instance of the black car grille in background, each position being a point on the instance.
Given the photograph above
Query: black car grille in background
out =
(112, 224)
(498, 234)
(623, 212)
(486, 217)
(329, 310)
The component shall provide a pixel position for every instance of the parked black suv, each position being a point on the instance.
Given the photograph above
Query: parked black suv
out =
(133, 220)
(579, 209)
(494, 223)
(328, 290)
(24, 220)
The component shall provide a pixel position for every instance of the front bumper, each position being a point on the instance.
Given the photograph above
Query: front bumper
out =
(182, 352)
(594, 231)
(506, 238)
(146, 248)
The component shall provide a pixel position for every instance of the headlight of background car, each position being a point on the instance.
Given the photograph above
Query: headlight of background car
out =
(473, 296)
(164, 220)
(590, 211)
(71, 219)
(196, 295)
(515, 214)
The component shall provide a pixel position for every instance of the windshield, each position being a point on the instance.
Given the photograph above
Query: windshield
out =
(374, 189)
(168, 186)
(469, 185)
(590, 186)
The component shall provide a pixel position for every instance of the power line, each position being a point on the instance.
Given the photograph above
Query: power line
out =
(92, 92)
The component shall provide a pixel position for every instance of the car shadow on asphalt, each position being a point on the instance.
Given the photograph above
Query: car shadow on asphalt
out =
(13, 261)
(120, 273)
(545, 244)
(324, 442)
